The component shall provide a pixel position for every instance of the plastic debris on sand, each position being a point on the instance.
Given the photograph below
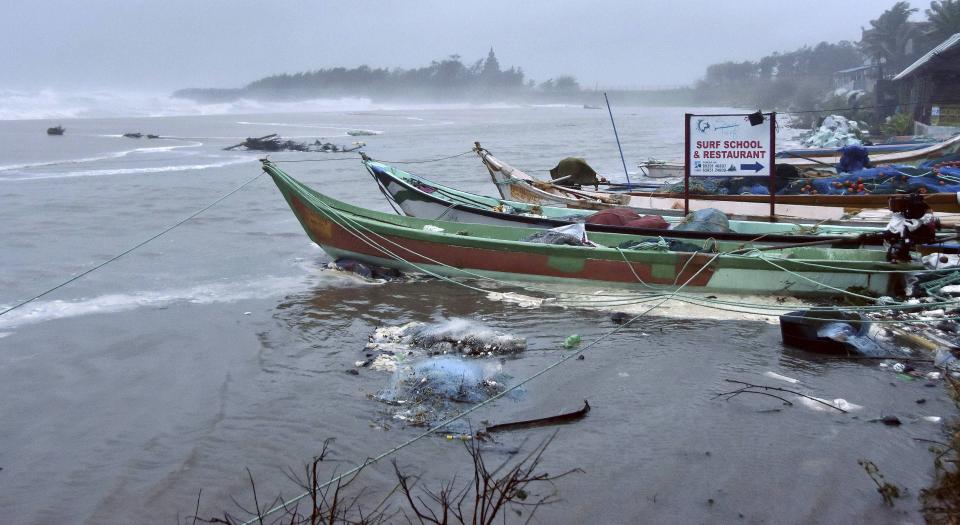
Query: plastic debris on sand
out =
(834, 132)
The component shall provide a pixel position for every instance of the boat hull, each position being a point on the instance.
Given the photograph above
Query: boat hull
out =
(428, 200)
(401, 243)
(516, 185)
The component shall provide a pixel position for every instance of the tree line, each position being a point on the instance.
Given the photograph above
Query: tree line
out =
(796, 80)
(803, 79)
(446, 79)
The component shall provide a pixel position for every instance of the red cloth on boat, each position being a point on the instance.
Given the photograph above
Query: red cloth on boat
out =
(626, 217)
(649, 221)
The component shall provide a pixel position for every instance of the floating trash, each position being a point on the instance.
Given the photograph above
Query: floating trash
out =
(450, 336)
(437, 388)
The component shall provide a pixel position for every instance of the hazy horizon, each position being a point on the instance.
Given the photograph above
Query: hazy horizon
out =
(157, 48)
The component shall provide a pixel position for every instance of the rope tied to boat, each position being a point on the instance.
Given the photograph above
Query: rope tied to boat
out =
(284, 504)
(134, 247)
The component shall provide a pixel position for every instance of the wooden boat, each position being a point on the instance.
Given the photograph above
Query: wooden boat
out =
(419, 197)
(908, 154)
(660, 169)
(514, 184)
(499, 252)
(815, 157)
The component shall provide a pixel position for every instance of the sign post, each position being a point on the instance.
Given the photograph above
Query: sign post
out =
(731, 145)
(773, 167)
(686, 165)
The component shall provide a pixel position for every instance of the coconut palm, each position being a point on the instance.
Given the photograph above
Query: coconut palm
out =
(891, 37)
(943, 20)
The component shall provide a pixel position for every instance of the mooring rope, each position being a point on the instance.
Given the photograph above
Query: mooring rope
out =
(621, 299)
(132, 248)
(330, 159)
(355, 228)
(422, 161)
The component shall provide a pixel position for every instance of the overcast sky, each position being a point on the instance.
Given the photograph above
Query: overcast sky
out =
(167, 44)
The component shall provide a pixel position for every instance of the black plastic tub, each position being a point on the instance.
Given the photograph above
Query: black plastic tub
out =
(799, 329)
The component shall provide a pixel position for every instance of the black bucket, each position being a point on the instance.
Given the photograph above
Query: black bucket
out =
(799, 329)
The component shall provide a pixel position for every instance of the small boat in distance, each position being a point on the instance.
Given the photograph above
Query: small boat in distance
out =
(661, 169)
(56, 130)
(137, 135)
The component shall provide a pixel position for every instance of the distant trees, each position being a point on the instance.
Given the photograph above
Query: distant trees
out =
(891, 38)
(943, 20)
(448, 78)
(783, 80)
(802, 79)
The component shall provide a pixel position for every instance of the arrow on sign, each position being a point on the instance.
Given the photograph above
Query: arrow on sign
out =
(756, 166)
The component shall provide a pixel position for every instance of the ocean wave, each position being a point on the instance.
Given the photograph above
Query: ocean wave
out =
(132, 171)
(109, 156)
(310, 126)
(53, 104)
(210, 293)
(291, 125)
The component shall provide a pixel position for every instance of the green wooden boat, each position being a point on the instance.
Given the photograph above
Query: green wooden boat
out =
(421, 197)
(479, 250)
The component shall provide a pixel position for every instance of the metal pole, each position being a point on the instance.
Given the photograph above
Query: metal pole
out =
(773, 166)
(610, 111)
(686, 163)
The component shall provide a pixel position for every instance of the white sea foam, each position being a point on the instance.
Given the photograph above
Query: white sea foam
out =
(209, 293)
(132, 171)
(309, 126)
(108, 156)
(53, 104)
(291, 125)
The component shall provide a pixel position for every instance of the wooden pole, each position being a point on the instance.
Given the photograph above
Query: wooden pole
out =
(610, 111)
(686, 163)
(773, 167)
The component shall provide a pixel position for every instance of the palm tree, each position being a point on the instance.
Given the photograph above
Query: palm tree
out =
(890, 38)
(943, 20)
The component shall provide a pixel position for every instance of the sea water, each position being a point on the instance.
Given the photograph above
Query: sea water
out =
(224, 344)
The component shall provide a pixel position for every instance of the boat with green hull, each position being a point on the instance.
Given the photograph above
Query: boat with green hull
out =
(462, 250)
(420, 197)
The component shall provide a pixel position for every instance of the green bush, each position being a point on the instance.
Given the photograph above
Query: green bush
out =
(898, 124)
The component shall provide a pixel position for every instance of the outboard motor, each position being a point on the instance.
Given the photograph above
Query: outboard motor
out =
(912, 224)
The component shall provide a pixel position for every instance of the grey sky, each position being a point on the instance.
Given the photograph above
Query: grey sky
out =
(163, 45)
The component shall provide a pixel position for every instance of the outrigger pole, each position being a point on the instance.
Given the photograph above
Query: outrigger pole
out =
(610, 111)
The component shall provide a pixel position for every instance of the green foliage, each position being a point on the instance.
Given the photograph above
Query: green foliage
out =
(943, 20)
(792, 80)
(892, 37)
(941, 501)
(898, 124)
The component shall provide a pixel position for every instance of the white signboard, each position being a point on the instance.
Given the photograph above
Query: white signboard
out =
(728, 146)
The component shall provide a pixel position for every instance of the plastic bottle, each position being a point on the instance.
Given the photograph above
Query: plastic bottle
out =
(571, 341)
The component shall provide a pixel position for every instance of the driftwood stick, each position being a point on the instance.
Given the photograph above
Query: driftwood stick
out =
(544, 421)
(758, 389)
